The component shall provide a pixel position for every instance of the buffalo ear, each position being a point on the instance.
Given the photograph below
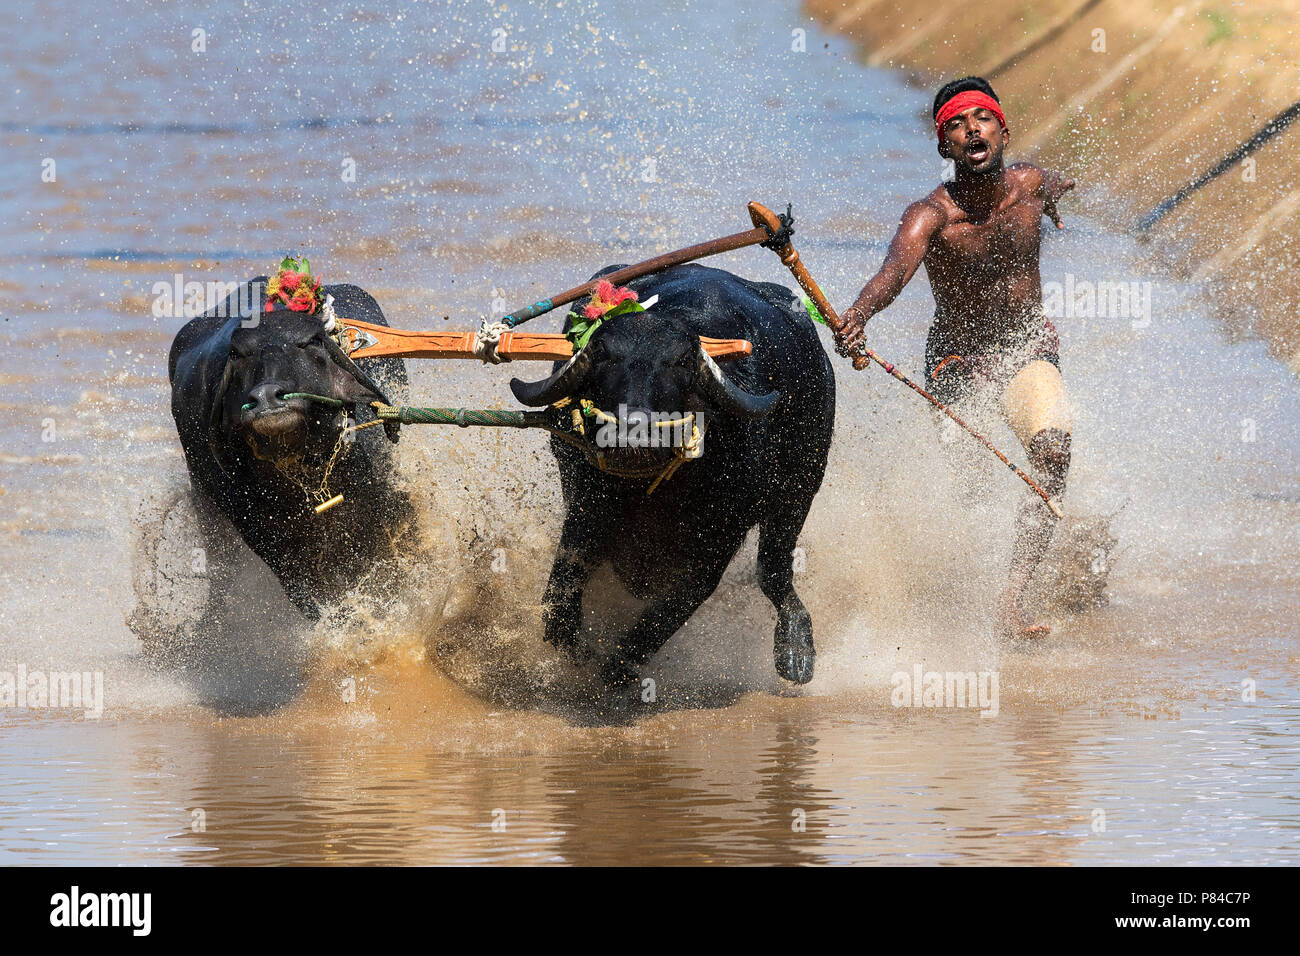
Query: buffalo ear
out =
(217, 437)
(217, 445)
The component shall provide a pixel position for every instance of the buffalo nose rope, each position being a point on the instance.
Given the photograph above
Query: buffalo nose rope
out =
(318, 493)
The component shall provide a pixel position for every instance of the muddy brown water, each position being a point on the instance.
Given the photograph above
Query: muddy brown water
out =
(435, 726)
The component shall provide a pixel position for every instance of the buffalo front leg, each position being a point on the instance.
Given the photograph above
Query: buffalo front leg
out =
(581, 549)
(661, 620)
(792, 644)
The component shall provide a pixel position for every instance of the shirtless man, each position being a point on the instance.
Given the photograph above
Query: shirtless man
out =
(978, 237)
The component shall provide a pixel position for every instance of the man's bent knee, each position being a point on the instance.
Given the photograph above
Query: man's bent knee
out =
(1035, 400)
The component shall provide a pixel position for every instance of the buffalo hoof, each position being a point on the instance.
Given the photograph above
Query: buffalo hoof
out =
(560, 627)
(793, 647)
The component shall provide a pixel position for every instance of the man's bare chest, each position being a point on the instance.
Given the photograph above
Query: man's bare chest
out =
(1008, 236)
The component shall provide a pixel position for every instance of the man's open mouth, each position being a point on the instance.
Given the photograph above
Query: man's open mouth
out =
(977, 151)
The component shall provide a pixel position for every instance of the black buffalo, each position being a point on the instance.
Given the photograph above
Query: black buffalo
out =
(768, 422)
(255, 453)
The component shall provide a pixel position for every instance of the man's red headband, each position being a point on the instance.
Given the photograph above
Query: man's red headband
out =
(964, 101)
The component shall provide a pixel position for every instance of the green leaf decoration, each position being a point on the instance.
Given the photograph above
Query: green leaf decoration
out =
(294, 264)
(627, 305)
(813, 313)
(582, 328)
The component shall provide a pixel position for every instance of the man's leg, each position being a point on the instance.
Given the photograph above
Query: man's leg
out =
(1037, 411)
(975, 400)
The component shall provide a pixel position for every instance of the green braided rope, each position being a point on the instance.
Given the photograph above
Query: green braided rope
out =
(464, 417)
(322, 399)
(501, 418)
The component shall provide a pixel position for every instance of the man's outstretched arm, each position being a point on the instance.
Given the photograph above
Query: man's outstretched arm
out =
(907, 250)
(1050, 189)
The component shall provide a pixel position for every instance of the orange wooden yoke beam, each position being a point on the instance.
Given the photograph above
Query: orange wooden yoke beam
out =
(380, 341)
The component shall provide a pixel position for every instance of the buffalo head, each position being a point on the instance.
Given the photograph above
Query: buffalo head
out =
(275, 356)
(643, 368)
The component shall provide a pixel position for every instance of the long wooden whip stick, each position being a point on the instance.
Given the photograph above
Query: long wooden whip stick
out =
(739, 240)
(370, 340)
(763, 216)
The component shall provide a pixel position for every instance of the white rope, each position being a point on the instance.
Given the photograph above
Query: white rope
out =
(327, 314)
(487, 339)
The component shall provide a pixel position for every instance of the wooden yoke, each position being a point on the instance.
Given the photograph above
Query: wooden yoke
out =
(380, 341)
